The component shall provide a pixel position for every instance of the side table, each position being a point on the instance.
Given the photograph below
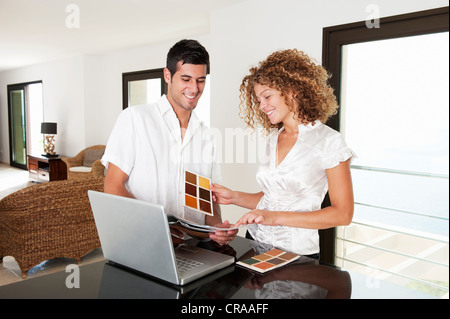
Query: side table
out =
(46, 169)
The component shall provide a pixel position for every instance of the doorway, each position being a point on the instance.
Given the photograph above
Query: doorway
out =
(25, 114)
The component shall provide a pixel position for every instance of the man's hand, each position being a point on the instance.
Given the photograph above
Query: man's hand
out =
(177, 236)
(223, 237)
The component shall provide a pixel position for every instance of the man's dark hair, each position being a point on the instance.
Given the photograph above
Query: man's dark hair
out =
(186, 51)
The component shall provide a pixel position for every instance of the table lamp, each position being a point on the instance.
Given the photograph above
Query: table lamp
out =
(49, 131)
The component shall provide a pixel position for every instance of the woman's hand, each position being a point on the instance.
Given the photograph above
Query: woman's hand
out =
(257, 216)
(222, 195)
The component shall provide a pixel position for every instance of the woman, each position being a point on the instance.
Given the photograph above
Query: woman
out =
(289, 93)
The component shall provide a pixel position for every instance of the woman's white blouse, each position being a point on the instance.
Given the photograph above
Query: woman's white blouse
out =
(298, 184)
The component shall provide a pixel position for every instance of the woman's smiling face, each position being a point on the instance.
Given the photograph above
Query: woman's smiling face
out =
(272, 103)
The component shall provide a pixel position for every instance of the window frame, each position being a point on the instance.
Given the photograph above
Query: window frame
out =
(334, 37)
(15, 87)
(141, 75)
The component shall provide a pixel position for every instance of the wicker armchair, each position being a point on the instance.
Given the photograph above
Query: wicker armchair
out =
(47, 221)
(78, 168)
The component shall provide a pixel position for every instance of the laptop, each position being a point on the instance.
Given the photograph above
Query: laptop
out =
(136, 234)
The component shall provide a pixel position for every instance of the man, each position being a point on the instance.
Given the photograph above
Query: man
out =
(151, 146)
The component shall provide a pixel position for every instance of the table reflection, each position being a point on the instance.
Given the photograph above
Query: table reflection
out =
(302, 279)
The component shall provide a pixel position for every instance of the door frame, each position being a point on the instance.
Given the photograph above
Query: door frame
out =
(14, 87)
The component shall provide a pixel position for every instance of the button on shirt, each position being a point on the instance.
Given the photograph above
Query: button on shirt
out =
(298, 183)
(146, 145)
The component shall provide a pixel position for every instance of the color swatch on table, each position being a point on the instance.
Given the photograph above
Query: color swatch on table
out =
(197, 193)
(268, 261)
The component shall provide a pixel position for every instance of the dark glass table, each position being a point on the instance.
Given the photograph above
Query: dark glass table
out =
(305, 278)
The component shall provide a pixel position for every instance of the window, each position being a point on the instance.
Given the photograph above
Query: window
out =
(144, 87)
(25, 108)
(392, 85)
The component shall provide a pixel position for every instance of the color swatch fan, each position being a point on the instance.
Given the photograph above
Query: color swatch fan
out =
(270, 260)
(198, 193)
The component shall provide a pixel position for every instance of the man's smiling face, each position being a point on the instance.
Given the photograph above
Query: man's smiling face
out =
(186, 86)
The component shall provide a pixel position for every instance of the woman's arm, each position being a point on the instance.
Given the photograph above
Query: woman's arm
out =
(340, 212)
(226, 196)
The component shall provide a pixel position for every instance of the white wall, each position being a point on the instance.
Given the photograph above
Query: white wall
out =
(82, 94)
(63, 95)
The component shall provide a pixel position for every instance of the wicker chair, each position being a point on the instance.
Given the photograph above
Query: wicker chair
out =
(47, 221)
(77, 167)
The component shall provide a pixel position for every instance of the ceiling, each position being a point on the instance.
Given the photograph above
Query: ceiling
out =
(36, 31)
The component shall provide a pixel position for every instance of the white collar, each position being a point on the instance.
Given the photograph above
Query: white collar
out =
(167, 112)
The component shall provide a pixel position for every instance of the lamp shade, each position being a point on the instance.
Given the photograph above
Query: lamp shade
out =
(48, 128)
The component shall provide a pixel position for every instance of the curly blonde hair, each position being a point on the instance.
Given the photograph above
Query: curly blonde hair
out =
(289, 72)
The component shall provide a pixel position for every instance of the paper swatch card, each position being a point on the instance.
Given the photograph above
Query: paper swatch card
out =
(270, 260)
(197, 193)
(189, 225)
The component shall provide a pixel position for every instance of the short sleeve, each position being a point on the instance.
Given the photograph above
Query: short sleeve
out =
(121, 147)
(336, 151)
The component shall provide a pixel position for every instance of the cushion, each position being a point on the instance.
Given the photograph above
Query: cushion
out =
(81, 169)
(90, 156)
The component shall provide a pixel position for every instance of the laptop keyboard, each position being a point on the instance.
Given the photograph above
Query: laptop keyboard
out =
(184, 264)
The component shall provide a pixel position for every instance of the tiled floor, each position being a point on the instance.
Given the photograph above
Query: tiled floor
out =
(12, 179)
(11, 273)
